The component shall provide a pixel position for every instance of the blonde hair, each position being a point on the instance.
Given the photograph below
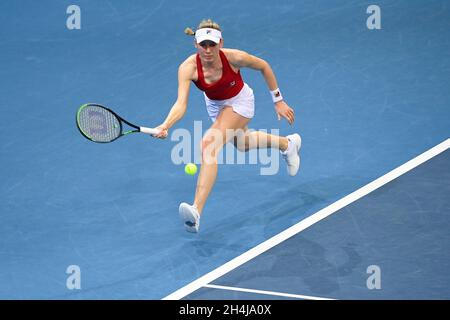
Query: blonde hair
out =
(205, 23)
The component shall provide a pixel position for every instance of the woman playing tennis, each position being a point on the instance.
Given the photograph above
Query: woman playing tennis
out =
(230, 105)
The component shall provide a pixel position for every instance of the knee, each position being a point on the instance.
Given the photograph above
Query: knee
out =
(241, 144)
(208, 151)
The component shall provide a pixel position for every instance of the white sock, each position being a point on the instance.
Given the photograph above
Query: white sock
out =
(288, 148)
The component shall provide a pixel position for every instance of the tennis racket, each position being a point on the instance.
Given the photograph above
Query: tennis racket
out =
(100, 124)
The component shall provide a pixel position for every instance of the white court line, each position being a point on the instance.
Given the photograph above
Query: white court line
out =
(271, 293)
(307, 222)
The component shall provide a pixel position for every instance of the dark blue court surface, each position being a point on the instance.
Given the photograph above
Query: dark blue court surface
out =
(366, 101)
(402, 228)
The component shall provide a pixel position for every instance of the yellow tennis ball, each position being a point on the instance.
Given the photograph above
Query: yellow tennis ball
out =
(190, 169)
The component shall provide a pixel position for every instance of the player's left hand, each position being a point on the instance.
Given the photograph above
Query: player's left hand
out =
(283, 110)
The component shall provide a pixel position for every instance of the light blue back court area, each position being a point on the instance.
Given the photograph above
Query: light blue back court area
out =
(367, 101)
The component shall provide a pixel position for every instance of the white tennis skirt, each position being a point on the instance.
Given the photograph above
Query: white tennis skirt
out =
(243, 103)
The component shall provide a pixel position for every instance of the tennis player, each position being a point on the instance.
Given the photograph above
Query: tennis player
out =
(230, 105)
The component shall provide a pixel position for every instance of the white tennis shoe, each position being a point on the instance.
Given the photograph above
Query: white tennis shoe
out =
(190, 216)
(291, 154)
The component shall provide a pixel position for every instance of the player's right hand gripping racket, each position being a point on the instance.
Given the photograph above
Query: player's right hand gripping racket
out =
(100, 124)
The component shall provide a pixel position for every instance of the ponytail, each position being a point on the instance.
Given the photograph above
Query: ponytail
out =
(188, 31)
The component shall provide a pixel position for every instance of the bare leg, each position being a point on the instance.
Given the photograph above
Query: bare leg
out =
(212, 143)
(258, 139)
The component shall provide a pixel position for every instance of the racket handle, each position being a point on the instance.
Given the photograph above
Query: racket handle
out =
(148, 130)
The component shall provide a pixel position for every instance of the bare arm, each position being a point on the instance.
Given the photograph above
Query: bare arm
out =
(179, 108)
(242, 59)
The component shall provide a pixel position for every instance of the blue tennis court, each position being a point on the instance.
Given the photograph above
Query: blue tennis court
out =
(402, 226)
(367, 101)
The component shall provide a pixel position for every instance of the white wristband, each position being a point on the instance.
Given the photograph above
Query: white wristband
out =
(276, 95)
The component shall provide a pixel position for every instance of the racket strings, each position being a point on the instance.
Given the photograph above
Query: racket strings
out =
(99, 124)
